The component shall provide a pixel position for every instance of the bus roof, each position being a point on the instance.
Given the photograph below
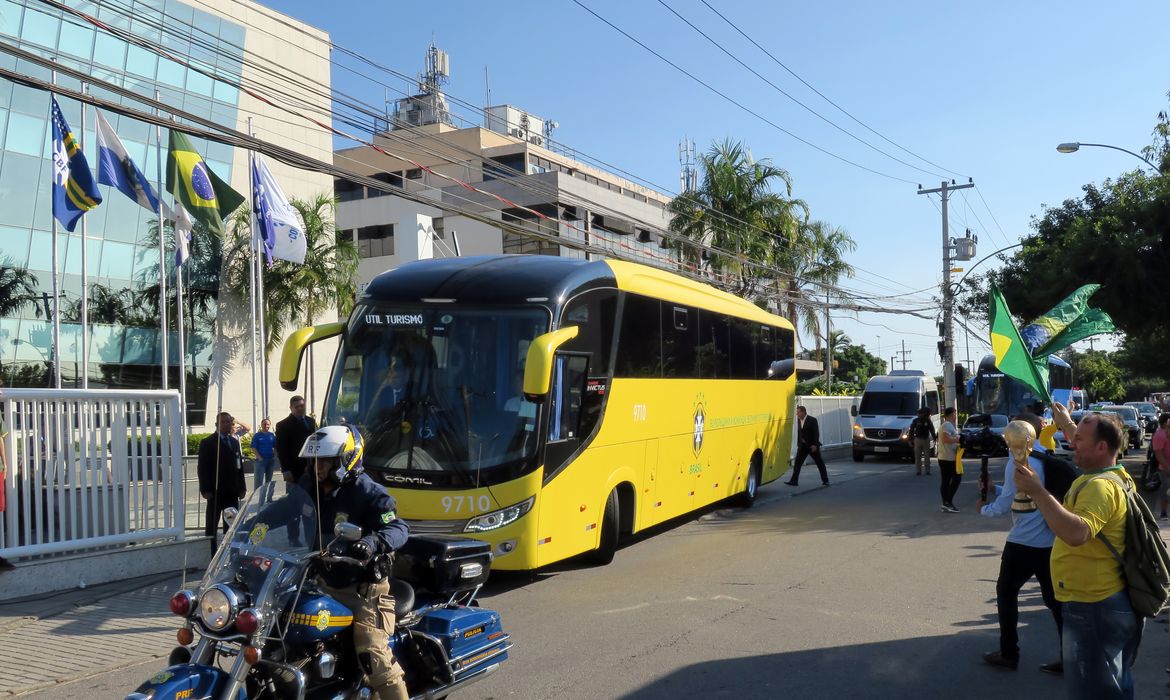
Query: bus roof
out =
(987, 364)
(523, 279)
(660, 284)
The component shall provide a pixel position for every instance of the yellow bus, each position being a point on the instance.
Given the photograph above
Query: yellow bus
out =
(552, 406)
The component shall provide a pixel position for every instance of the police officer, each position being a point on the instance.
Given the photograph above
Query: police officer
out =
(345, 494)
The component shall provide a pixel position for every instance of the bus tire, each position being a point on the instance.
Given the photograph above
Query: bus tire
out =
(858, 456)
(609, 532)
(751, 489)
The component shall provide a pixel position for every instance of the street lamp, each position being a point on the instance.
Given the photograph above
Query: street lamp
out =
(1074, 146)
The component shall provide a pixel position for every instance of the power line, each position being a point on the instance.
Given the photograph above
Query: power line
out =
(735, 102)
(778, 89)
(767, 269)
(778, 62)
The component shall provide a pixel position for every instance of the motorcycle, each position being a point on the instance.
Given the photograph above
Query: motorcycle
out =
(267, 631)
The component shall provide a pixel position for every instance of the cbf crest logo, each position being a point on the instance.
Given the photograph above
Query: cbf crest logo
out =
(700, 421)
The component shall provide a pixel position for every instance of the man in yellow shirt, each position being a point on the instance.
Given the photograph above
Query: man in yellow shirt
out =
(1101, 631)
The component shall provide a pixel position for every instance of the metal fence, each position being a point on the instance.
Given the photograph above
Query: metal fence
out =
(833, 416)
(90, 468)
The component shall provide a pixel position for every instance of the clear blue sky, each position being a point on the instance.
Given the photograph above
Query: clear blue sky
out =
(986, 90)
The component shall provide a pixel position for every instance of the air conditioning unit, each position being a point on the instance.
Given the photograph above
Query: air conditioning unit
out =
(516, 132)
(536, 140)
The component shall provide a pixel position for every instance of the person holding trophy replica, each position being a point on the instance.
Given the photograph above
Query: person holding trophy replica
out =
(1028, 549)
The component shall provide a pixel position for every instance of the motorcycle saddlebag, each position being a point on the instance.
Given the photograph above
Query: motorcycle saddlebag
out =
(443, 564)
(472, 637)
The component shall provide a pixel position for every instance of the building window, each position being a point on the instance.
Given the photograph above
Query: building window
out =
(437, 224)
(414, 174)
(347, 190)
(504, 166)
(375, 241)
(392, 179)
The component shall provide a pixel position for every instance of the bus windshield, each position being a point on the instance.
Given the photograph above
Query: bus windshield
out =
(436, 391)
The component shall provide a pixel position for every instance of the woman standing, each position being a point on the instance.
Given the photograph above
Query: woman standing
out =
(948, 445)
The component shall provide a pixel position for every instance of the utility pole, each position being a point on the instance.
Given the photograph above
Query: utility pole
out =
(828, 349)
(948, 296)
(904, 354)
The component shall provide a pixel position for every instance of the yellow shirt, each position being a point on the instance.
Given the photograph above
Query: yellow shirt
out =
(1090, 573)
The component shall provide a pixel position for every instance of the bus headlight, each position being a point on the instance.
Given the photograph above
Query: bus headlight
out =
(499, 518)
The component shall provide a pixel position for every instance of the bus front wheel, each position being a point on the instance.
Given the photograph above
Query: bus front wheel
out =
(609, 532)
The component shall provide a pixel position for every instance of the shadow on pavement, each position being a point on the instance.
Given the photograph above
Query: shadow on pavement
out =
(947, 666)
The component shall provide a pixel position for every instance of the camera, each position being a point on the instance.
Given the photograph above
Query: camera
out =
(980, 439)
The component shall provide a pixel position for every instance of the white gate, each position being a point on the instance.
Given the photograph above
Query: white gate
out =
(833, 417)
(90, 468)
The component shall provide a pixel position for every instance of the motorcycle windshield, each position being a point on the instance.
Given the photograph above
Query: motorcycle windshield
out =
(273, 530)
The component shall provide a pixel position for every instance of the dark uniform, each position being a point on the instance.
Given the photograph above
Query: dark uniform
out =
(221, 478)
(291, 434)
(365, 591)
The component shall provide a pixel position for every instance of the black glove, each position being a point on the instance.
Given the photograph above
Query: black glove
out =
(360, 550)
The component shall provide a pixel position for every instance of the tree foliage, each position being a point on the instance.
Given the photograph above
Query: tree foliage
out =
(745, 206)
(1096, 374)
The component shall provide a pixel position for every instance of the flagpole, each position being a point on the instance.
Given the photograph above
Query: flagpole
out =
(182, 340)
(162, 261)
(252, 272)
(263, 336)
(56, 284)
(84, 276)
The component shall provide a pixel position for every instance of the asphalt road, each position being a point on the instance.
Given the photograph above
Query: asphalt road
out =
(864, 589)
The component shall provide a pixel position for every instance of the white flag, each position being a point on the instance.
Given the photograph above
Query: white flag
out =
(183, 228)
(276, 220)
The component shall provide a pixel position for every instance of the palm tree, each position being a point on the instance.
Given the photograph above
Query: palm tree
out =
(18, 287)
(735, 208)
(813, 266)
(295, 295)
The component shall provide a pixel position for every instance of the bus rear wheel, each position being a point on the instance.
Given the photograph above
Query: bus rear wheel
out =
(609, 532)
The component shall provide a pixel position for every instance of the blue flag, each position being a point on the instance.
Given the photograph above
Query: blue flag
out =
(74, 191)
(116, 169)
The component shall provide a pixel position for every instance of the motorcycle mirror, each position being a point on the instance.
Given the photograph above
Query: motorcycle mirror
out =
(347, 531)
(229, 515)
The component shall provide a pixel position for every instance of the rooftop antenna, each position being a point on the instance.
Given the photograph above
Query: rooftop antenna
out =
(689, 177)
(487, 96)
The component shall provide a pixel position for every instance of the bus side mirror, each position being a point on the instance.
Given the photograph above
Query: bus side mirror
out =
(853, 410)
(294, 349)
(781, 369)
(538, 366)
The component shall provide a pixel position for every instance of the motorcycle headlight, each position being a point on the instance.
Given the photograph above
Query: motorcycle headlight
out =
(217, 607)
(499, 518)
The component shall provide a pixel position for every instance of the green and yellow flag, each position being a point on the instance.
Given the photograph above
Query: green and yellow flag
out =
(205, 197)
(1066, 323)
(1011, 355)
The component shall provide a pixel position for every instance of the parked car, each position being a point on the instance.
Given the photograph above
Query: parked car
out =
(1149, 413)
(1133, 422)
(1064, 447)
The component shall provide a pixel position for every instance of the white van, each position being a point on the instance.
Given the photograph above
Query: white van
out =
(889, 404)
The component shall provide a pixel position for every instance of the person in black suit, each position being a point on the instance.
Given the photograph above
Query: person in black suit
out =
(808, 443)
(291, 434)
(221, 473)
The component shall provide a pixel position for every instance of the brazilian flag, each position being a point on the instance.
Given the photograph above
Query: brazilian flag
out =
(1066, 323)
(206, 198)
(1011, 355)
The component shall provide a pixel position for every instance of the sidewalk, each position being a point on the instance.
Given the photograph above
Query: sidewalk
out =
(79, 633)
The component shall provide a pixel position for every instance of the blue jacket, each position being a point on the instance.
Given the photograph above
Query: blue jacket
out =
(1028, 529)
(364, 503)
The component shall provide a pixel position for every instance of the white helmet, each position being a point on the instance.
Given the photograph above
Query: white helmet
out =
(341, 441)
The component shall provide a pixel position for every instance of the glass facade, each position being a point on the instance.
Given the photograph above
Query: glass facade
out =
(122, 238)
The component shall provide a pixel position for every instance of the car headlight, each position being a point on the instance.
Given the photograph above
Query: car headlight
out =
(217, 607)
(499, 518)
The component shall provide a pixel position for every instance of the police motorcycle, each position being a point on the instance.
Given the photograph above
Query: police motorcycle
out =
(265, 630)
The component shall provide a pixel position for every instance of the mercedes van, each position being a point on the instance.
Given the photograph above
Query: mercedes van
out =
(881, 423)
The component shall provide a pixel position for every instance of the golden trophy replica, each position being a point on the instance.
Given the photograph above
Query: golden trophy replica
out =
(1019, 436)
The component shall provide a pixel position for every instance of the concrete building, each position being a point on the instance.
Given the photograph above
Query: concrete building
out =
(510, 157)
(237, 39)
